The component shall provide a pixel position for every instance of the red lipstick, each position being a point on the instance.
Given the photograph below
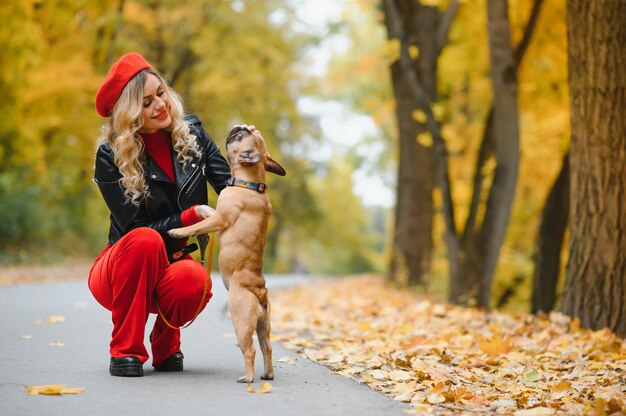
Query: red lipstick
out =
(161, 116)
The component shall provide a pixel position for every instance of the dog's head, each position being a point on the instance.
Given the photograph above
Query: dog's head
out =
(245, 148)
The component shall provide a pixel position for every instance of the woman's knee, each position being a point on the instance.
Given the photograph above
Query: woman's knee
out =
(189, 278)
(143, 242)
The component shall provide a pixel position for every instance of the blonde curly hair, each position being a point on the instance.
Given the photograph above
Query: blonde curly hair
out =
(122, 134)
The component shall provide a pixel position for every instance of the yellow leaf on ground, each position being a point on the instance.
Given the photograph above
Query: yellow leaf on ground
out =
(265, 388)
(496, 345)
(53, 390)
(456, 356)
(404, 397)
(560, 388)
(57, 344)
(287, 360)
(400, 375)
(54, 319)
(379, 374)
(535, 411)
(531, 376)
(404, 387)
(436, 394)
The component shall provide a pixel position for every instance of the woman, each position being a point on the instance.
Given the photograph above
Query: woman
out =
(151, 169)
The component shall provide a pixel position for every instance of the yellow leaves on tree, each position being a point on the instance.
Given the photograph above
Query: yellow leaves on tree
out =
(53, 390)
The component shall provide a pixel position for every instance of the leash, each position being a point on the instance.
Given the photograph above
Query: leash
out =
(202, 239)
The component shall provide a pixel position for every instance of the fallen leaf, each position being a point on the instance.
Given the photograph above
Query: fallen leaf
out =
(379, 374)
(560, 390)
(404, 397)
(26, 336)
(400, 375)
(531, 376)
(57, 344)
(404, 346)
(287, 360)
(53, 390)
(81, 304)
(535, 411)
(52, 319)
(264, 388)
(496, 345)
(504, 402)
(436, 394)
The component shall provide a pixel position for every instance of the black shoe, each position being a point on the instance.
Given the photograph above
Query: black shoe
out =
(172, 363)
(126, 367)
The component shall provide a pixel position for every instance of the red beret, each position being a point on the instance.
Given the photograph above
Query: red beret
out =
(120, 73)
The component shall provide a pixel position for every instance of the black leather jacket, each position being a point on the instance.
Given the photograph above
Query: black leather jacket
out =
(162, 209)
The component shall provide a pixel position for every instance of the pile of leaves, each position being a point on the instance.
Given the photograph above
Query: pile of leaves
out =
(444, 359)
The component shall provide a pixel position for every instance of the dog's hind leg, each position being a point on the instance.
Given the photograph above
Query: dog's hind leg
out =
(244, 307)
(263, 328)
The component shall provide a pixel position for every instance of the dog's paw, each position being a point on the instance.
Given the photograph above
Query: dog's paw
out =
(269, 376)
(177, 233)
(244, 379)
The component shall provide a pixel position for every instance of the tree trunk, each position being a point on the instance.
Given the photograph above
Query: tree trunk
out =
(471, 281)
(479, 256)
(506, 142)
(550, 241)
(595, 285)
(414, 210)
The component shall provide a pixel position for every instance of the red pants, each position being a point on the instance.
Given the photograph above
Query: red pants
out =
(130, 278)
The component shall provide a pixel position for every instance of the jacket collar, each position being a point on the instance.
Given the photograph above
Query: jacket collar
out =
(155, 173)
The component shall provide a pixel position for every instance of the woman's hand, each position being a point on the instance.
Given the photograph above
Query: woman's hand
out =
(250, 127)
(204, 211)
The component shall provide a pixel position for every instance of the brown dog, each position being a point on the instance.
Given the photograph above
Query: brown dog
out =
(242, 214)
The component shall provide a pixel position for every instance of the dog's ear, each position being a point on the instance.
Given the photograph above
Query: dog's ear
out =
(249, 158)
(274, 167)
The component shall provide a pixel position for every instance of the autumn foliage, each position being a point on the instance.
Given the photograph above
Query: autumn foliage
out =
(448, 360)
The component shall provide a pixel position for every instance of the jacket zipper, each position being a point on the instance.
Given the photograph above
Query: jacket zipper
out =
(191, 182)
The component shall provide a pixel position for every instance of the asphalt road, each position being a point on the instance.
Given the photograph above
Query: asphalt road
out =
(75, 353)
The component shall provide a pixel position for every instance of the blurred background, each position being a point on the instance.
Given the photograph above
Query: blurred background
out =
(317, 78)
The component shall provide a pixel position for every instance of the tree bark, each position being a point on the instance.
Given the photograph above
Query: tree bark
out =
(549, 242)
(595, 285)
(414, 210)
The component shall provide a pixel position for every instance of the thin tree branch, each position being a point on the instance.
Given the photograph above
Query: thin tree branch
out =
(486, 148)
(486, 145)
(443, 31)
(522, 46)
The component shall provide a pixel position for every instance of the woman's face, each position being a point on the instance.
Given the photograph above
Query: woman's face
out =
(156, 113)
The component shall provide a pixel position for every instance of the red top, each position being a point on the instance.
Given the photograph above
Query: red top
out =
(158, 146)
